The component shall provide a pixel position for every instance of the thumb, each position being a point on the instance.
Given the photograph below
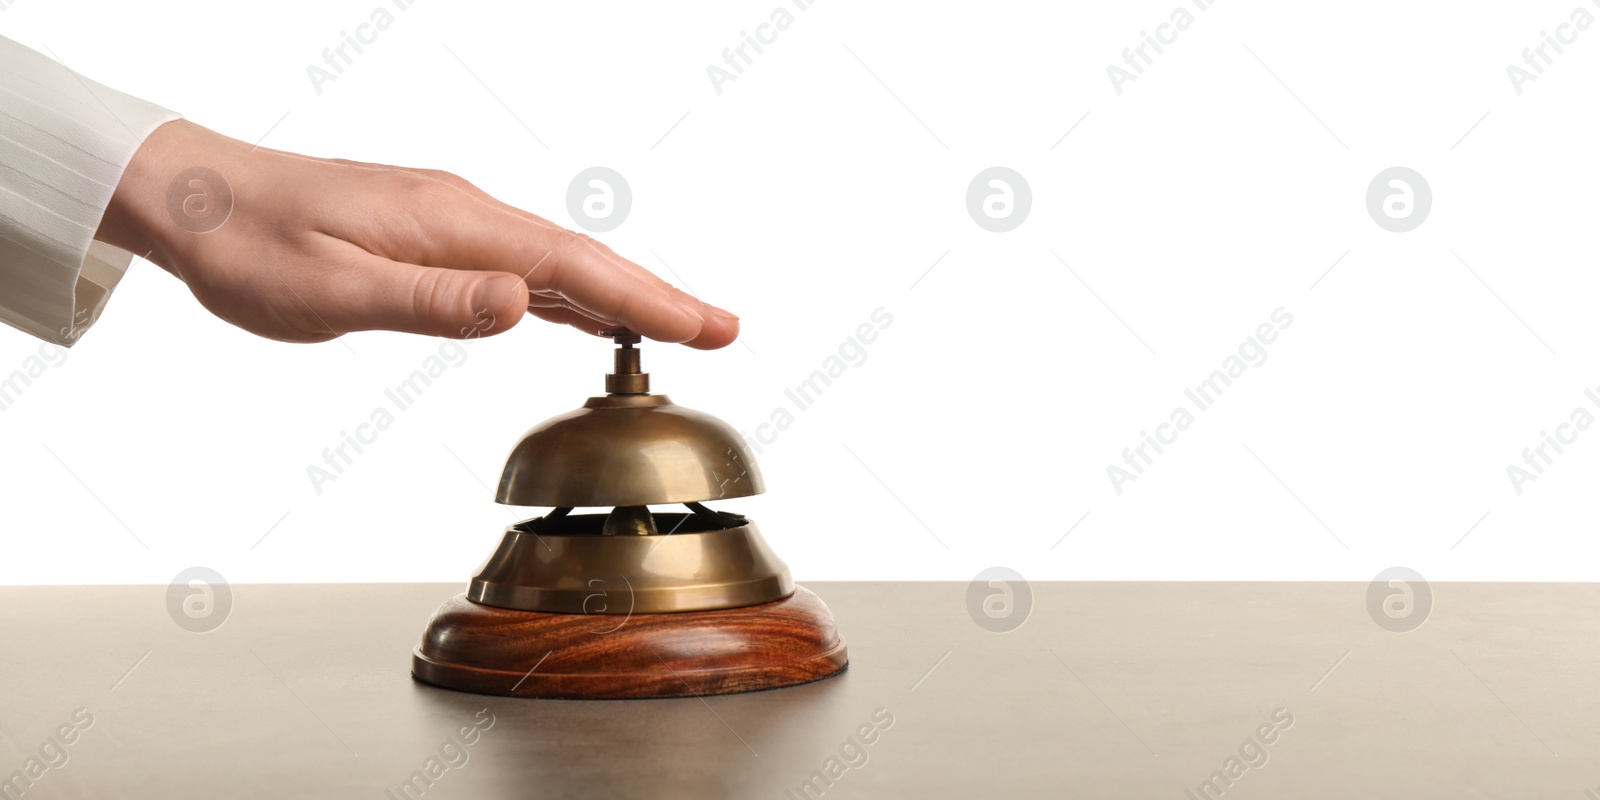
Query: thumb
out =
(457, 304)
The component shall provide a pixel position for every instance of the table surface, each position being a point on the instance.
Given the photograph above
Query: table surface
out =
(1107, 689)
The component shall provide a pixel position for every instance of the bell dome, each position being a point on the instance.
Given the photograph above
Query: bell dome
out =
(628, 448)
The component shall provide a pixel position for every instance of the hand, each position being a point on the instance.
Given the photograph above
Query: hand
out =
(311, 248)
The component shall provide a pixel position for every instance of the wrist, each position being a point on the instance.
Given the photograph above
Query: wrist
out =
(165, 192)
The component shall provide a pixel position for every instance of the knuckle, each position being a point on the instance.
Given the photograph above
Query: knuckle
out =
(419, 190)
(428, 298)
(446, 177)
(572, 243)
(571, 239)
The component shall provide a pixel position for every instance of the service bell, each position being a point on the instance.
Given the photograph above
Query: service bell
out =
(630, 602)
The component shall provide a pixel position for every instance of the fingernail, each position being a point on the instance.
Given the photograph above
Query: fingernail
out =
(726, 316)
(486, 294)
(693, 313)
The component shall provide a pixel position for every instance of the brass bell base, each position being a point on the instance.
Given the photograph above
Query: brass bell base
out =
(487, 650)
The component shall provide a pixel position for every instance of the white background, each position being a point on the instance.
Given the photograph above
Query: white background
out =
(822, 184)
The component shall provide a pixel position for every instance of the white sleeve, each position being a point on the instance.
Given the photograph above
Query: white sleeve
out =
(64, 142)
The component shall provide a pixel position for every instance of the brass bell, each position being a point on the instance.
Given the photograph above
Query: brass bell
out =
(630, 602)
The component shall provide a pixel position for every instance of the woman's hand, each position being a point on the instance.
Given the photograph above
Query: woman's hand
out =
(304, 249)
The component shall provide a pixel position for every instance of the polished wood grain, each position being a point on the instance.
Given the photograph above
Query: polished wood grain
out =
(488, 650)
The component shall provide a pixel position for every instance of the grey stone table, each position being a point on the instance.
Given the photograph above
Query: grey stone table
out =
(1107, 690)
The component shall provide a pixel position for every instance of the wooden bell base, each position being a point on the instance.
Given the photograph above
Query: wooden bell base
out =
(489, 650)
